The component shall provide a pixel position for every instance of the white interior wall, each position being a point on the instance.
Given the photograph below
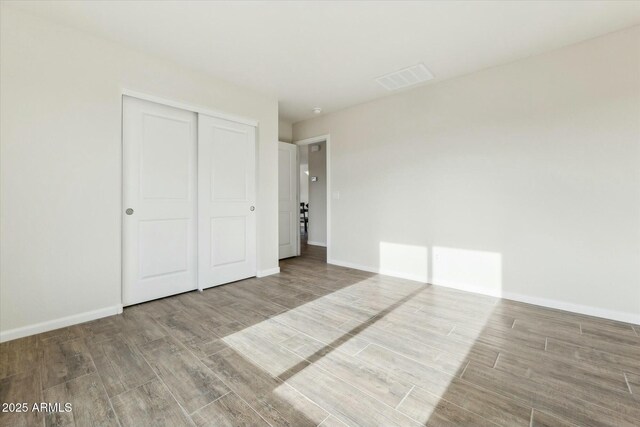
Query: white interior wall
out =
(318, 195)
(60, 97)
(521, 180)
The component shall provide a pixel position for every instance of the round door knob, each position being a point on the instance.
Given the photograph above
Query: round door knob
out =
(252, 208)
(129, 211)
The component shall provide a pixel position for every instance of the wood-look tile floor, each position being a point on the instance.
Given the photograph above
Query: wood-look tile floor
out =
(324, 345)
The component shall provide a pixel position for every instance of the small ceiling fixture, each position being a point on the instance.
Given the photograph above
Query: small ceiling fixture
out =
(317, 110)
(406, 77)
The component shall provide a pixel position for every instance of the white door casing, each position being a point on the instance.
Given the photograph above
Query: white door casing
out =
(288, 208)
(226, 201)
(159, 186)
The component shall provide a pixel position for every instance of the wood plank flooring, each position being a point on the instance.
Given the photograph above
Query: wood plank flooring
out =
(331, 346)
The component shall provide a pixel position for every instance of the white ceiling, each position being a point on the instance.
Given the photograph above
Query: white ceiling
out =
(327, 54)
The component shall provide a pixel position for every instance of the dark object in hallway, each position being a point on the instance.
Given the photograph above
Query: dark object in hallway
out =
(304, 216)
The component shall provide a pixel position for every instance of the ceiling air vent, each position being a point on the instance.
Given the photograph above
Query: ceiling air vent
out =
(406, 77)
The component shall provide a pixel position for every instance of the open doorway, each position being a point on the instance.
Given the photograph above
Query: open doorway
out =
(303, 197)
(314, 190)
(304, 186)
(313, 194)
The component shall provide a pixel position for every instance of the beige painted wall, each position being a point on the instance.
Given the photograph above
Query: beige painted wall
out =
(61, 164)
(317, 195)
(285, 131)
(521, 180)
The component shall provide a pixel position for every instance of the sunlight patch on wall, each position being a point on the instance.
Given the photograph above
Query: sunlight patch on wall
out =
(406, 261)
(476, 271)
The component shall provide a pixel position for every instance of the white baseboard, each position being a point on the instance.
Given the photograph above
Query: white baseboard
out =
(312, 243)
(620, 316)
(268, 272)
(384, 272)
(61, 322)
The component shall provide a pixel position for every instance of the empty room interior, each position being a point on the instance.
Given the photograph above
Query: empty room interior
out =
(319, 213)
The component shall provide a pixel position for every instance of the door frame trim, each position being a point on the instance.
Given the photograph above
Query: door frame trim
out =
(314, 140)
(189, 107)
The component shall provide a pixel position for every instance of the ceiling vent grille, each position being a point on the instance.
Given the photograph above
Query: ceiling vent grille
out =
(406, 77)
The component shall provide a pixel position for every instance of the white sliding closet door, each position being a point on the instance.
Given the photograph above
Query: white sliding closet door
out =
(159, 196)
(226, 201)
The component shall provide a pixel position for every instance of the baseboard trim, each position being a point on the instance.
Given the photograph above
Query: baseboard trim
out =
(384, 272)
(61, 322)
(620, 316)
(312, 243)
(268, 272)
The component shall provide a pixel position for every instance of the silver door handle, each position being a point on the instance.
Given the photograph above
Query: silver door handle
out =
(252, 208)
(129, 211)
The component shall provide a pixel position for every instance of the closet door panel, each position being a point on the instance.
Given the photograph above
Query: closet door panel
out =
(159, 201)
(226, 201)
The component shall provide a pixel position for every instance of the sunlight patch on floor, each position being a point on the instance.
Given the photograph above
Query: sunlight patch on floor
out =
(388, 341)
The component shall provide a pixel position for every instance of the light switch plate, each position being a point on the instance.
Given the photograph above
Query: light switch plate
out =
(314, 178)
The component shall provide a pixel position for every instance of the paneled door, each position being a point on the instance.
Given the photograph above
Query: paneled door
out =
(288, 208)
(160, 201)
(226, 201)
